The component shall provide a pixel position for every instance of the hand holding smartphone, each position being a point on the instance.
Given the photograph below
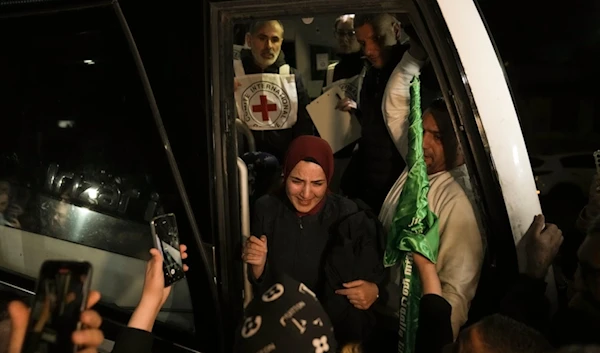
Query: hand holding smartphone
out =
(61, 296)
(166, 239)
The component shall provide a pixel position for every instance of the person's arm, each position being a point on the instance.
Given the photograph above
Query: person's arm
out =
(133, 340)
(304, 124)
(89, 338)
(526, 302)
(137, 337)
(396, 100)
(363, 290)
(526, 299)
(435, 328)
(460, 257)
(258, 228)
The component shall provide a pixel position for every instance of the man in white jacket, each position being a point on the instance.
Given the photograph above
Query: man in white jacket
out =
(461, 251)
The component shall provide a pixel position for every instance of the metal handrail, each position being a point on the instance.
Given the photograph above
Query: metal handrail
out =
(242, 128)
(245, 221)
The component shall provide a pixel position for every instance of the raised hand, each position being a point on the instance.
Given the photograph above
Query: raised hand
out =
(89, 338)
(542, 242)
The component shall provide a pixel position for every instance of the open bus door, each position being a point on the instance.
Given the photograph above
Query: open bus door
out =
(473, 83)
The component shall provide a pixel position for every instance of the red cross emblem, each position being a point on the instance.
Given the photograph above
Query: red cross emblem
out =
(264, 108)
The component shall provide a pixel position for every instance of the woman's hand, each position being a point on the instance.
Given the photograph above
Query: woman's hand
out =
(428, 273)
(154, 284)
(154, 294)
(90, 337)
(361, 294)
(255, 254)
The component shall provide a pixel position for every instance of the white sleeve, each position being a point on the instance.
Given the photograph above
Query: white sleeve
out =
(396, 100)
(460, 257)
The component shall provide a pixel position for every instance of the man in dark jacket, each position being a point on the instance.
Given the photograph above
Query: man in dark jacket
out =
(349, 69)
(351, 62)
(377, 163)
(265, 56)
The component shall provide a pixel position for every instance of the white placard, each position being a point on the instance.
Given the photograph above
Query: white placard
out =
(335, 126)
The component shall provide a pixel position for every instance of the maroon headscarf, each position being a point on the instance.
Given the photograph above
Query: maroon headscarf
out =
(314, 149)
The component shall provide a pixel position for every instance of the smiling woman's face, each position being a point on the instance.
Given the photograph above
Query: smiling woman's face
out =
(306, 186)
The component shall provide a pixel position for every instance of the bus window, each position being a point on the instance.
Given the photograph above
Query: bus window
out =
(82, 166)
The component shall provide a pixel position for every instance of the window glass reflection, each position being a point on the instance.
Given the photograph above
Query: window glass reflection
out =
(82, 167)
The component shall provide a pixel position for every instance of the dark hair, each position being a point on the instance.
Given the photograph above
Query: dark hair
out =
(311, 160)
(503, 334)
(439, 111)
(373, 19)
(254, 27)
(339, 19)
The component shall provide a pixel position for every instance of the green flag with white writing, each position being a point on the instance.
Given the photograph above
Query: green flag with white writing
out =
(414, 227)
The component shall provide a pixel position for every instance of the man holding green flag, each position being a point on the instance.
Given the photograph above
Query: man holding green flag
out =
(414, 227)
(433, 184)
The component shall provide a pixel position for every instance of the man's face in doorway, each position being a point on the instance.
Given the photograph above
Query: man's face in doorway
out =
(344, 32)
(370, 43)
(376, 39)
(266, 43)
(433, 148)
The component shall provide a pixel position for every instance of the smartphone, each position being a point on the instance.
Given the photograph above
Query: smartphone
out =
(61, 296)
(166, 239)
(597, 160)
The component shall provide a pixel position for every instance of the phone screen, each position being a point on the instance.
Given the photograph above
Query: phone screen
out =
(60, 298)
(166, 240)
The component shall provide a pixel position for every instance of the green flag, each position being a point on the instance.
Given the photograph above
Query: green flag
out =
(414, 227)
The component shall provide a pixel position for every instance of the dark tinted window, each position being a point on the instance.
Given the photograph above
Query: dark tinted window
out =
(536, 162)
(558, 109)
(82, 166)
(578, 161)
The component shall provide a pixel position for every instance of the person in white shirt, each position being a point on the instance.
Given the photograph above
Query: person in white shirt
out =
(461, 247)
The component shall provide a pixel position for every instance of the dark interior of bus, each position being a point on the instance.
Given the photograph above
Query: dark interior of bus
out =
(78, 104)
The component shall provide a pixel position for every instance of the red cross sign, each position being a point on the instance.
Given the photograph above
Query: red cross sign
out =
(264, 107)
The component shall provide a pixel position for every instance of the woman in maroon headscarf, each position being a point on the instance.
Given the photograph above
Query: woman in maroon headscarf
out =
(318, 238)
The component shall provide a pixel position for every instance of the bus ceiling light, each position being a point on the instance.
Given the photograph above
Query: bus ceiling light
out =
(308, 20)
(89, 62)
(92, 193)
(66, 124)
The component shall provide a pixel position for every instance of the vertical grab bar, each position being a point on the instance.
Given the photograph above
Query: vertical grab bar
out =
(245, 218)
(242, 128)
